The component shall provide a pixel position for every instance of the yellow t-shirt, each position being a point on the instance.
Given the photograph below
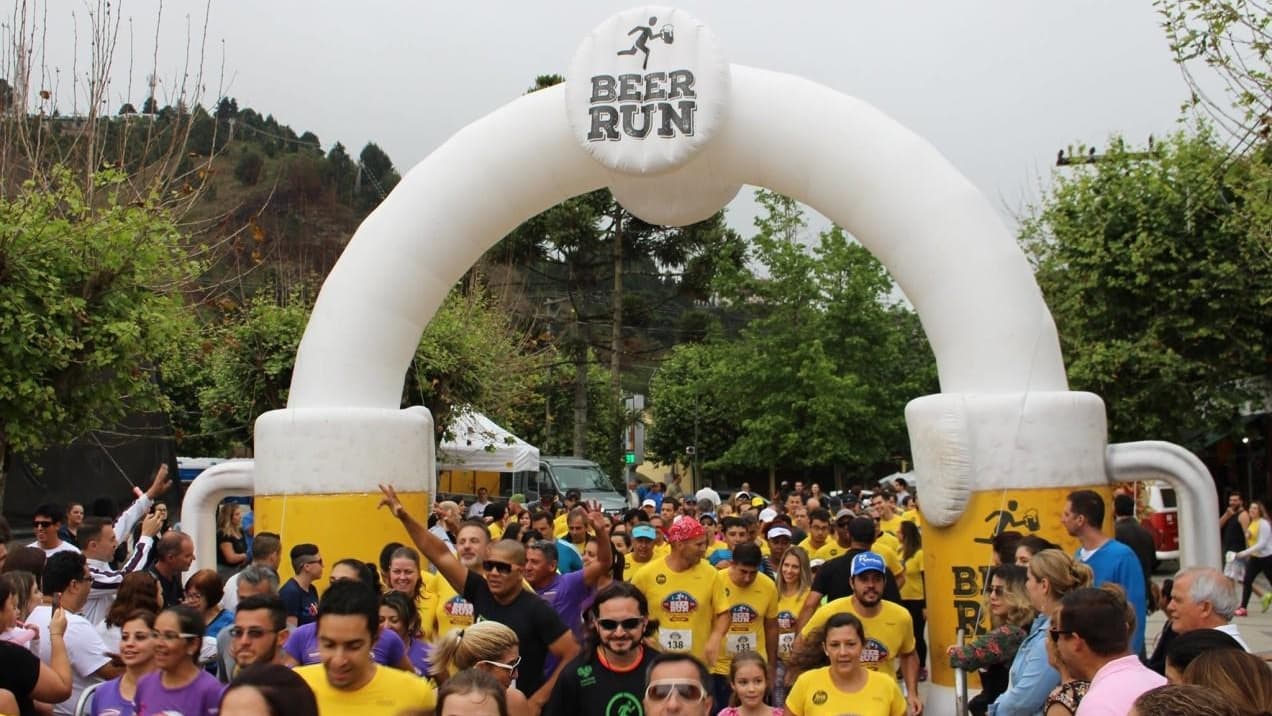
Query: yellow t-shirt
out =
(828, 551)
(889, 634)
(682, 602)
(892, 525)
(390, 691)
(427, 603)
(788, 609)
(889, 548)
(561, 525)
(749, 607)
(1252, 533)
(913, 516)
(496, 531)
(451, 610)
(913, 587)
(661, 550)
(815, 694)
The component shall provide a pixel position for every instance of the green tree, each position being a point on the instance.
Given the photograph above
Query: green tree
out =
(248, 168)
(1159, 283)
(378, 176)
(89, 299)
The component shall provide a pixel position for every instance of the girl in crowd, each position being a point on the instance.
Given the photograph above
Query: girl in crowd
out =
(203, 592)
(472, 693)
(833, 681)
(1258, 556)
(486, 646)
(1029, 546)
(179, 685)
(398, 614)
(231, 546)
(1243, 679)
(268, 690)
(1188, 646)
(748, 675)
(1010, 615)
(1052, 574)
(1182, 699)
(407, 576)
(912, 594)
(795, 579)
(138, 590)
(117, 697)
(24, 589)
(22, 675)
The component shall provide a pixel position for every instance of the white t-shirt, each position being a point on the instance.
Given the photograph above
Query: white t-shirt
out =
(63, 546)
(84, 646)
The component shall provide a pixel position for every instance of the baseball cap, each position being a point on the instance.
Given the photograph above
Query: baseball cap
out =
(844, 513)
(648, 503)
(815, 563)
(741, 494)
(767, 514)
(757, 502)
(868, 562)
(644, 532)
(572, 494)
(779, 532)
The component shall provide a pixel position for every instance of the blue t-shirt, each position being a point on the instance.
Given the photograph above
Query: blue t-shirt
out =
(299, 603)
(568, 560)
(1117, 563)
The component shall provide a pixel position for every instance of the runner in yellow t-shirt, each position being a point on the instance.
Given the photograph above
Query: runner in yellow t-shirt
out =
(844, 687)
(818, 544)
(746, 617)
(681, 590)
(889, 629)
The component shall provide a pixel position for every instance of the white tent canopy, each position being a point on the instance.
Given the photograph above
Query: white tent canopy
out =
(475, 442)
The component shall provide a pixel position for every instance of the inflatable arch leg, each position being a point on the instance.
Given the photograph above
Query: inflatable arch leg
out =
(1004, 440)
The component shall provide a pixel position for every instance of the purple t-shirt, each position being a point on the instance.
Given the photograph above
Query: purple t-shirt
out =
(566, 593)
(302, 646)
(419, 652)
(201, 697)
(107, 701)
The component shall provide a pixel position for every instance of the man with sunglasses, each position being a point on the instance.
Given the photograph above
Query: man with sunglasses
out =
(1093, 640)
(299, 594)
(609, 676)
(500, 597)
(48, 523)
(677, 685)
(259, 632)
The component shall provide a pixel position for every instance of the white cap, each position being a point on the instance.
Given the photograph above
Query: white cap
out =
(778, 532)
(814, 564)
(768, 514)
(648, 503)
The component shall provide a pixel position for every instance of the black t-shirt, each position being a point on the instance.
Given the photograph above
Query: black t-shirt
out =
(173, 592)
(237, 544)
(587, 687)
(834, 579)
(535, 621)
(19, 673)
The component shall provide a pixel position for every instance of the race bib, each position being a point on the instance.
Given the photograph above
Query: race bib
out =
(738, 643)
(676, 639)
(786, 643)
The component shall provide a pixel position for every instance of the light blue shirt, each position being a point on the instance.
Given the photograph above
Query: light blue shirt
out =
(1032, 677)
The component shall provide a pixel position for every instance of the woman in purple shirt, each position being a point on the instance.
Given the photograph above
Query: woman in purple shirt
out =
(398, 615)
(137, 650)
(179, 685)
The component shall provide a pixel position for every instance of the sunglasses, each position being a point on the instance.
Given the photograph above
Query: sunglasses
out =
(512, 668)
(629, 624)
(252, 633)
(491, 565)
(1055, 634)
(684, 689)
(998, 591)
(43, 524)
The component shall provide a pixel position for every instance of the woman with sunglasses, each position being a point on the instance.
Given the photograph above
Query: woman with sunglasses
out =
(1010, 615)
(179, 685)
(1052, 574)
(137, 650)
(838, 683)
(487, 646)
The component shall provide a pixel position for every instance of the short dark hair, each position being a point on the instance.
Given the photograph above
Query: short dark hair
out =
(1099, 617)
(366, 570)
(304, 549)
(862, 529)
(284, 691)
(731, 521)
(748, 554)
(539, 515)
(678, 657)
(208, 584)
(351, 599)
(169, 544)
(1035, 544)
(1123, 505)
(266, 544)
(51, 510)
(1192, 644)
(61, 569)
(821, 514)
(549, 550)
(26, 559)
(92, 529)
(1005, 544)
(1089, 504)
(269, 602)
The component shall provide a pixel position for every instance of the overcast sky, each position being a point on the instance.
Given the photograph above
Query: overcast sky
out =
(998, 87)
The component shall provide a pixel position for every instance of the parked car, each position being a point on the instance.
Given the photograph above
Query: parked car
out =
(1163, 519)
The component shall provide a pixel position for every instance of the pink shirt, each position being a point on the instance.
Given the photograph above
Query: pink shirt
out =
(1116, 686)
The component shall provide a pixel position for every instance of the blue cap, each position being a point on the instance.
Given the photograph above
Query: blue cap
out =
(644, 531)
(868, 562)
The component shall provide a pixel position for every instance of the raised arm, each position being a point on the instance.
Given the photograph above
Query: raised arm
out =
(604, 549)
(429, 545)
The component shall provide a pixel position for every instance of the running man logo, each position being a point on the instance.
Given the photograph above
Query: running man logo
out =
(643, 35)
(680, 603)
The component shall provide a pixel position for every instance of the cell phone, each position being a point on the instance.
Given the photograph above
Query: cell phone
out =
(57, 601)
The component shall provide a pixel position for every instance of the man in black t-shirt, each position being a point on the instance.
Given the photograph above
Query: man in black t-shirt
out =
(834, 579)
(501, 597)
(609, 677)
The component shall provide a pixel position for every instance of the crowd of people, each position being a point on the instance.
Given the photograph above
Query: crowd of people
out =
(796, 603)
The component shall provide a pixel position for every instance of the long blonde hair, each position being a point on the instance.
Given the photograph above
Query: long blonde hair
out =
(805, 572)
(467, 646)
(1062, 572)
(225, 519)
